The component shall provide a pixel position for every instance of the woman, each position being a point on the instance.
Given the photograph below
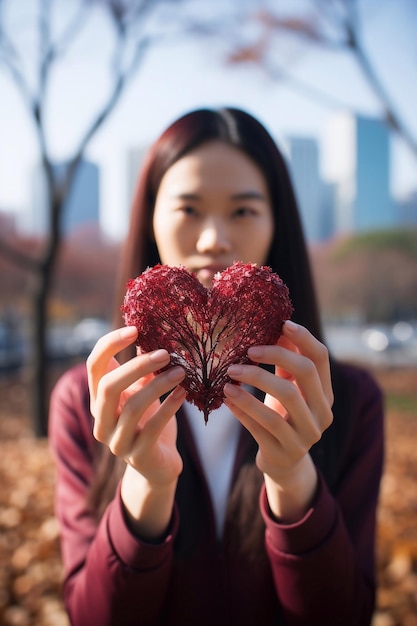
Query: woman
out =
(265, 516)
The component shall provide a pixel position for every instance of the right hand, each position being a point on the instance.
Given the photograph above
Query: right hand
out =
(129, 417)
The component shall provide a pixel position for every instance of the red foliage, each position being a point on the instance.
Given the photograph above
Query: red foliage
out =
(206, 330)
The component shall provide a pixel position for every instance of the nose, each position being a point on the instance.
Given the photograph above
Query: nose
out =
(214, 237)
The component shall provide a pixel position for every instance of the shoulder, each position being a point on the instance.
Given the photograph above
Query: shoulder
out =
(358, 408)
(355, 386)
(69, 412)
(358, 420)
(70, 397)
(72, 383)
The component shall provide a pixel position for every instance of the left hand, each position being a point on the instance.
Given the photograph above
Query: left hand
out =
(295, 413)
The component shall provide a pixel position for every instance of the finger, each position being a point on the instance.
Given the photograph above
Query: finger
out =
(283, 397)
(106, 404)
(305, 345)
(167, 410)
(113, 383)
(265, 424)
(129, 426)
(101, 358)
(300, 370)
(136, 374)
(314, 350)
(138, 404)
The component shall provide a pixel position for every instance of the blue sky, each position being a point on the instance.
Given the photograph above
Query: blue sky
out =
(176, 77)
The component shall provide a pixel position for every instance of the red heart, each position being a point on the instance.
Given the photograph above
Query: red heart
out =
(206, 330)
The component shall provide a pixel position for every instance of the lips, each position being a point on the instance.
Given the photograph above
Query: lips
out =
(206, 274)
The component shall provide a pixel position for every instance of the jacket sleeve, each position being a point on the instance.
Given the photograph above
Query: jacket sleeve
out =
(109, 575)
(324, 565)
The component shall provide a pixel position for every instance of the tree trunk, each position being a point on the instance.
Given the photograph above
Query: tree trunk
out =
(40, 371)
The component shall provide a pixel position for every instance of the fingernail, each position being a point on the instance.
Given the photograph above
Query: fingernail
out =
(158, 356)
(255, 352)
(128, 332)
(235, 370)
(178, 393)
(231, 390)
(291, 326)
(177, 373)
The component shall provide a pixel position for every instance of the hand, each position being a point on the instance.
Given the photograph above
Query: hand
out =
(135, 425)
(295, 413)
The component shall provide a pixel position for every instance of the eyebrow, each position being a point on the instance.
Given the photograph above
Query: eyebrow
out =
(185, 196)
(250, 194)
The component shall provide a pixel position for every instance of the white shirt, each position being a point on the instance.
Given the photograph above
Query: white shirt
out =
(216, 443)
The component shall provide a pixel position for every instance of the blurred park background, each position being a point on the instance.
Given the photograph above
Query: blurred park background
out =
(85, 87)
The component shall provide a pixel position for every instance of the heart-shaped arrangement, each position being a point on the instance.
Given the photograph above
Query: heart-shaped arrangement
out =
(206, 330)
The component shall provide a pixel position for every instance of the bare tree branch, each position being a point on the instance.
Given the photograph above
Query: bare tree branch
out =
(391, 114)
(71, 30)
(331, 24)
(132, 39)
(11, 60)
(118, 86)
(302, 87)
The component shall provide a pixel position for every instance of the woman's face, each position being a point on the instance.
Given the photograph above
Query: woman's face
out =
(213, 208)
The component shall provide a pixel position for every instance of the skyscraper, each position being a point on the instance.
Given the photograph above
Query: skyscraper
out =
(304, 168)
(82, 206)
(358, 161)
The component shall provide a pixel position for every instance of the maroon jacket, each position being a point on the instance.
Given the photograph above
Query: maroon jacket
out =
(317, 572)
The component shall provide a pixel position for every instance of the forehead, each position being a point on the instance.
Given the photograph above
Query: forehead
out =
(214, 165)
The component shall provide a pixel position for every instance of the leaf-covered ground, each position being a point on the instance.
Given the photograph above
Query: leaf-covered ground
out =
(30, 568)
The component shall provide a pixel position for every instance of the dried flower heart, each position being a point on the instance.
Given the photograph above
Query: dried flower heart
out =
(206, 330)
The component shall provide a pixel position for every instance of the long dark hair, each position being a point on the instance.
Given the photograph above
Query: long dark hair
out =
(288, 254)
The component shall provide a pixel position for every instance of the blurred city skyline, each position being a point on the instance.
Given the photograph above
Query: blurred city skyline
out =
(358, 199)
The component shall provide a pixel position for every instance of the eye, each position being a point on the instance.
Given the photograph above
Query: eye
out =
(188, 210)
(244, 211)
